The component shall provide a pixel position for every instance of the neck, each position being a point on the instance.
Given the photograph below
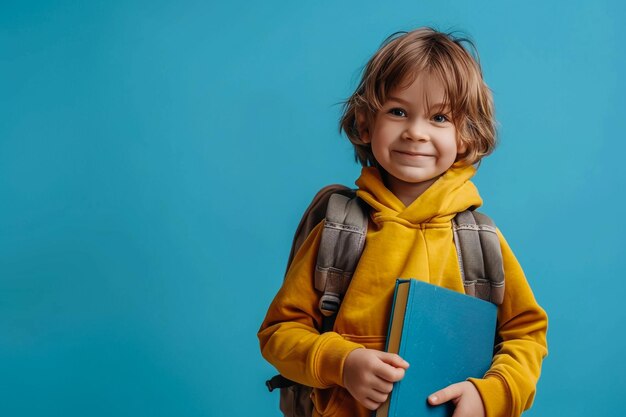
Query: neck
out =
(407, 192)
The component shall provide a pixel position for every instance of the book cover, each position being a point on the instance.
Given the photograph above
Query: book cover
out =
(445, 336)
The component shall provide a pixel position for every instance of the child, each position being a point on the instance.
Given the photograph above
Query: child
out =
(420, 120)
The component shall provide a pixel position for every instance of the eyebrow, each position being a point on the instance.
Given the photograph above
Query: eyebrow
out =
(435, 105)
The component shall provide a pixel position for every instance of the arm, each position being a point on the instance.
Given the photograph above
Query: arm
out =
(289, 337)
(508, 388)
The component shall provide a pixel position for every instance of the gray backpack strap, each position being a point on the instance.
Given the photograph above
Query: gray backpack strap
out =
(342, 242)
(480, 256)
(314, 214)
(341, 245)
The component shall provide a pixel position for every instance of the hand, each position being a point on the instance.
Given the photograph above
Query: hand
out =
(369, 374)
(464, 395)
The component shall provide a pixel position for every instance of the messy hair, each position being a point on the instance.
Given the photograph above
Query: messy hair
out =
(402, 57)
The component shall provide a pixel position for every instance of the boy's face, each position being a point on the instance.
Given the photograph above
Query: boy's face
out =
(411, 138)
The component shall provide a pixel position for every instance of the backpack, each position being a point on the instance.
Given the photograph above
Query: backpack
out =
(345, 219)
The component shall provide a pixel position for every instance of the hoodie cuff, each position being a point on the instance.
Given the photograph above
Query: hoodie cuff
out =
(495, 395)
(330, 357)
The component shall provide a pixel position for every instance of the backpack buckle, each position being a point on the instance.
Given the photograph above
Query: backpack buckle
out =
(329, 304)
(278, 381)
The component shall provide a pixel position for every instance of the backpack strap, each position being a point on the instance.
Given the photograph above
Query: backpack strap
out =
(314, 214)
(480, 256)
(341, 245)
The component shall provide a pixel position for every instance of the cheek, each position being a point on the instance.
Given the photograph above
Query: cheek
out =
(381, 140)
(449, 149)
(378, 150)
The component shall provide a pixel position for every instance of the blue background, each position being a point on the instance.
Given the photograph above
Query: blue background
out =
(155, 158)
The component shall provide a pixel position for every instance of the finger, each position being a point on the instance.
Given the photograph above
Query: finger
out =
(377, 396)
(370, 405)
(381, 385)
(389, 373)
(447, 394)
(393, 360)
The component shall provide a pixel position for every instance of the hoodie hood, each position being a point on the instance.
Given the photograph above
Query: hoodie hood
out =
(452, 193)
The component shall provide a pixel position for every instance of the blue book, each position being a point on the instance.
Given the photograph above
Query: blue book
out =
(445, 336)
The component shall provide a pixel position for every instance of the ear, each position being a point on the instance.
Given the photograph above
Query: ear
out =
(363, 128)
(461, 148)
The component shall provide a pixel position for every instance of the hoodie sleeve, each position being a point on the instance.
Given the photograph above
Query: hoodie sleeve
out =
(289, 337)
(508, 388)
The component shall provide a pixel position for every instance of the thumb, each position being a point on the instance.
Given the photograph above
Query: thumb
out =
(393, 359)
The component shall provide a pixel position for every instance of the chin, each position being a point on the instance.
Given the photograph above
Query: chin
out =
(412, 179)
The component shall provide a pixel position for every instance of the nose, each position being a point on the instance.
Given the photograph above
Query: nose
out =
(416, 130)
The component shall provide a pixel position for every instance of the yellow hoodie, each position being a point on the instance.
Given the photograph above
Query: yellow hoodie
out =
(402, 242)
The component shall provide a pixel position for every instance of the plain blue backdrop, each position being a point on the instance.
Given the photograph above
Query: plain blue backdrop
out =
(155, 158)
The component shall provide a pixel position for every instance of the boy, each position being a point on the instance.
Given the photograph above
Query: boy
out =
(419, 120)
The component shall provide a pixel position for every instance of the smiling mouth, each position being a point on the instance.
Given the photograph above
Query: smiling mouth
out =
(414, 153)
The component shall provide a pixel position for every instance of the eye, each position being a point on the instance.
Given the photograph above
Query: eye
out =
(396, 111)
(440, 118)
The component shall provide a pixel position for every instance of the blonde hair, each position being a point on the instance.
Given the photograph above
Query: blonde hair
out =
(398, 62)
